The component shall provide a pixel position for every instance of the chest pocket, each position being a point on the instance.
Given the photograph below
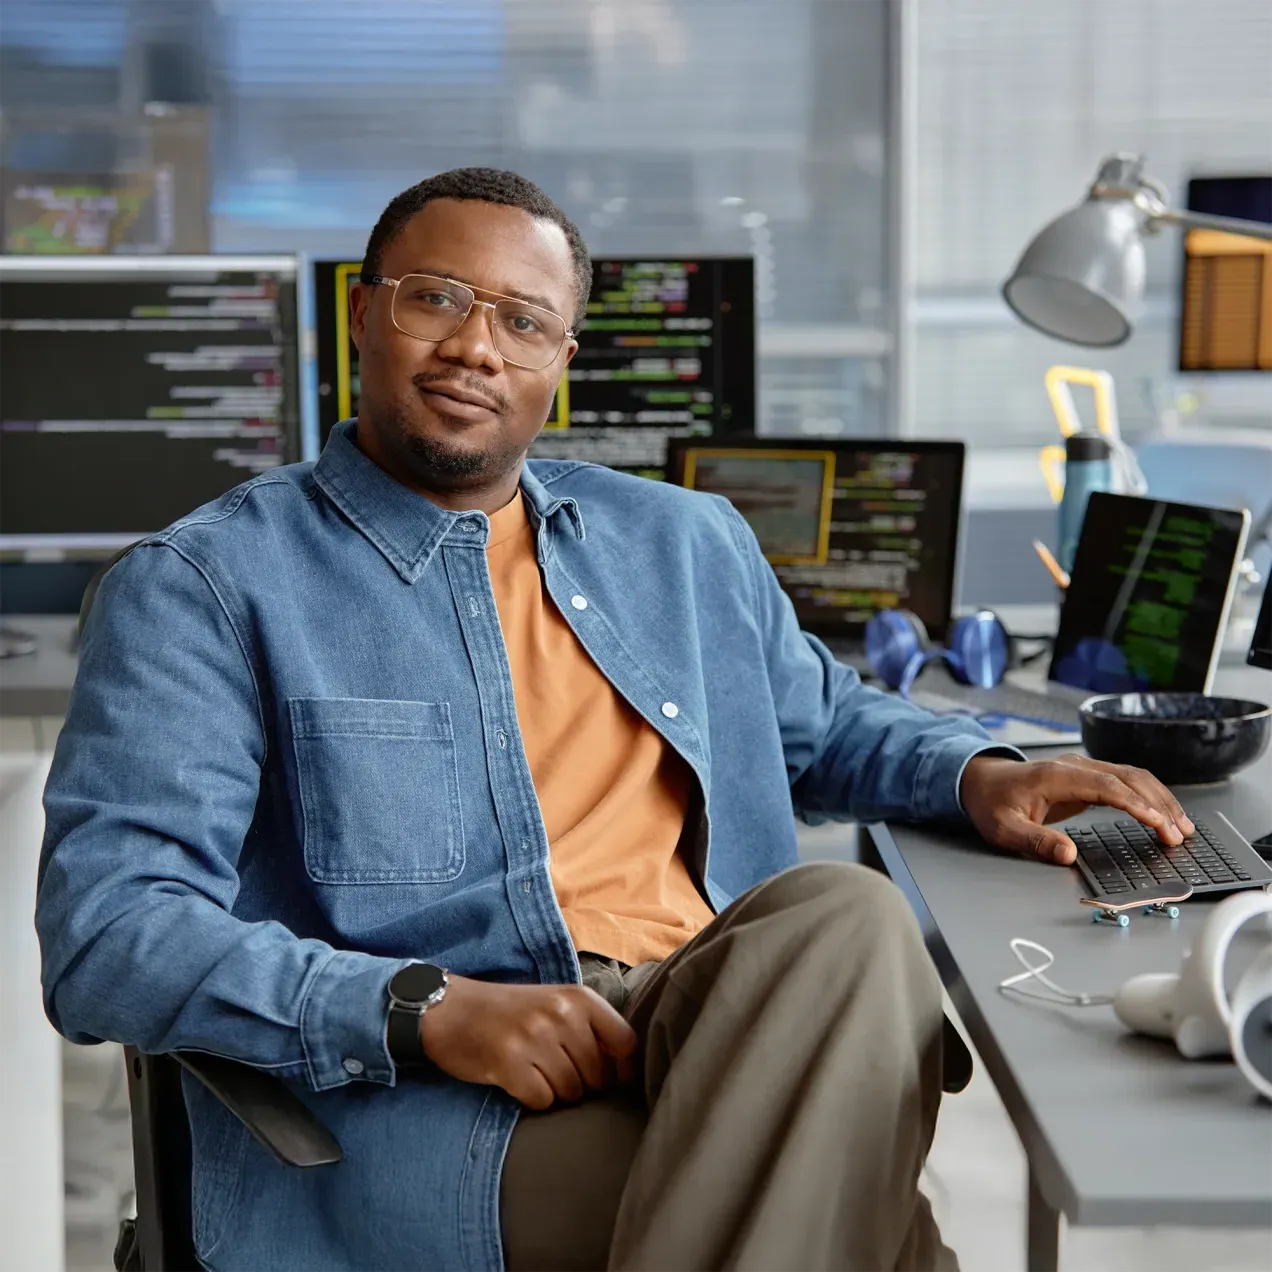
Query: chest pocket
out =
(379, 790)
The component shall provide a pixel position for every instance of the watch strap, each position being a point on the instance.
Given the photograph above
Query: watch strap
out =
(403, 1036)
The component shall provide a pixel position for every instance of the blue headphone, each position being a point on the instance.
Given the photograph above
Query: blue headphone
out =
(978, 652)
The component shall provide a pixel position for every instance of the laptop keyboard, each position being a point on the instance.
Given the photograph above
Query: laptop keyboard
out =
(1120, 858)
(1002, 699)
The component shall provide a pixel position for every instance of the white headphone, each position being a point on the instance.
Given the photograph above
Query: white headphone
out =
(1192, 1006)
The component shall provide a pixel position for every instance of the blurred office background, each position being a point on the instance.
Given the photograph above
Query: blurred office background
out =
(884, 164)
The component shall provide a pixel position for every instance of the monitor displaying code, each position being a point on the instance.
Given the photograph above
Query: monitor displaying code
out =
(1226, 312)
(850, 528)
(1148, 596)
(667, 351)
(134, 391)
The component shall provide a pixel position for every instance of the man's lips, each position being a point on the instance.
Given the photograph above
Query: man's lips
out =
(450, 399)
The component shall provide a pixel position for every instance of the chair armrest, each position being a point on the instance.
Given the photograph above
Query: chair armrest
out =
(275, 1115)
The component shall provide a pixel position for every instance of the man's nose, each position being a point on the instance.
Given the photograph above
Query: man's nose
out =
(472, 343)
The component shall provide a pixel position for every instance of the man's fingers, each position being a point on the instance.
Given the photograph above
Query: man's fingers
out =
(558, 1068)
(1169, 819)
(1028, 838)
(531, 1088)
(1103, 786)
(1157, 794)
(614, 1033)
(587, 1057)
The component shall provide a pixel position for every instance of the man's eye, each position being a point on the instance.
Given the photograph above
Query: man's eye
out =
(524, 324)
(439, 299)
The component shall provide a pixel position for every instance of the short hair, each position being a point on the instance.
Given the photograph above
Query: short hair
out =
(483, 185)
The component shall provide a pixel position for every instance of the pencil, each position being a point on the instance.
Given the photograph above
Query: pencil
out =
(1053, 566)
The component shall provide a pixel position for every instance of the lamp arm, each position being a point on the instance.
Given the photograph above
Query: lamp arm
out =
(1204, 221)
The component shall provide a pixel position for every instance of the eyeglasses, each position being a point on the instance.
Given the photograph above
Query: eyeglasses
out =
(432, 308)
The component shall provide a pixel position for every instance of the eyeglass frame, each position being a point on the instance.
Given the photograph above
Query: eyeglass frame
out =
(382, 280)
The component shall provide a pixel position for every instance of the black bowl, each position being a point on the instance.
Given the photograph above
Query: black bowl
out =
(1181, 738)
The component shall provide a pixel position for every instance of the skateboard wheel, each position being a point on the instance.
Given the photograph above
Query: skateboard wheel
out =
(1123, 921)
(1173, 911)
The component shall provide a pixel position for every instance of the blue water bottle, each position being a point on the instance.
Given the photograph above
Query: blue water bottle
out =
(1088, 466)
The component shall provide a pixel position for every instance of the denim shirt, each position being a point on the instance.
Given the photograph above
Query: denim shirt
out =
(291, 763)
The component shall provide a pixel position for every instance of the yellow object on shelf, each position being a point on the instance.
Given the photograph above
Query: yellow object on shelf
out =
(1058, 381)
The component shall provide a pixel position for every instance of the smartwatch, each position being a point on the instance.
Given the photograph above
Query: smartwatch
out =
(412, 991)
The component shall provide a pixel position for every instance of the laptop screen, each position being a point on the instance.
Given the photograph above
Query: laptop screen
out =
(850, 527)
(1148, 596)
(1261, 645)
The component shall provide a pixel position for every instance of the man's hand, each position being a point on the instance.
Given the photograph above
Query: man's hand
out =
(541, 1043)
(1010, 802)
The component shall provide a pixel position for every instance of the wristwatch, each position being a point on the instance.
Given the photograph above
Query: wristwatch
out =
(412, 991)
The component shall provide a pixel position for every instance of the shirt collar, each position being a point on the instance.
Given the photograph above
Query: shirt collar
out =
(406, 527)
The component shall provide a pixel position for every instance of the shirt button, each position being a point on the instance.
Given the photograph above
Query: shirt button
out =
(579, 602)
(526, 886)
(502, 738)
(352, 1066)
(670, 710)
(470, 526)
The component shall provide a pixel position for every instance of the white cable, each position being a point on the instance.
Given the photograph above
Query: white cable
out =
(1059, 995)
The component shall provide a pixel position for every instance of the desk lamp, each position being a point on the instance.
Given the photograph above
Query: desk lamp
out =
(1081, 279)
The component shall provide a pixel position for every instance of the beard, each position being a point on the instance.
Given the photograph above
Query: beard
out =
(438, 464)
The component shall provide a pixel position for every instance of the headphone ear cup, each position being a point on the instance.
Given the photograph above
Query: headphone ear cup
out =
(980, 648)
(916, 665)
(893, 638)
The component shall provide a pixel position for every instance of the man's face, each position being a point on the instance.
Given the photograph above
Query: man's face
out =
(450, 416)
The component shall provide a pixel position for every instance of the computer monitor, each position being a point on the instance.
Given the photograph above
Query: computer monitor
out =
(337, 355)
(1261, 646)
(667, 350)
(135, 389)
(850, 526)
(1226, 306)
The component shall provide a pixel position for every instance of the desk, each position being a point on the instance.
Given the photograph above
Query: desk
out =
(1118, 1130)
(39, 684)
(36, 686)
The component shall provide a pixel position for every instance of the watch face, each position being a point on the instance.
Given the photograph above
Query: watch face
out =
(416, 983)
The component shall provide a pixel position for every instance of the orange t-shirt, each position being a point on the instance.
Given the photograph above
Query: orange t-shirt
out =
(612, 792)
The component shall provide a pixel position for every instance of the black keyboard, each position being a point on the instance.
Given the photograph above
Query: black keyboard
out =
(1119, 858)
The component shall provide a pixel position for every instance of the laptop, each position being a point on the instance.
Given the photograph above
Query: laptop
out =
(850, 526)
(1146, 608)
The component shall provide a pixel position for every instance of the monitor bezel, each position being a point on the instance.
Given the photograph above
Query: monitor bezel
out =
(1261, 656)
(956, 450)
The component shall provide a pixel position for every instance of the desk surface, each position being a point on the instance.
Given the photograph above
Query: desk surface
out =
(1119, 1130)
(39, 684)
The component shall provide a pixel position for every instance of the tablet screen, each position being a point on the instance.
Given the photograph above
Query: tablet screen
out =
(1148, 596)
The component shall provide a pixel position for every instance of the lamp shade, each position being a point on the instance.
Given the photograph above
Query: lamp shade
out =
(1082, 277)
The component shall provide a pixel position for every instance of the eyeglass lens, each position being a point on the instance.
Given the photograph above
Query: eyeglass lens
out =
(433, 308)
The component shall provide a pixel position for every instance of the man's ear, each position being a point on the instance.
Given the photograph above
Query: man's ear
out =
(571, 348)
(359, 298)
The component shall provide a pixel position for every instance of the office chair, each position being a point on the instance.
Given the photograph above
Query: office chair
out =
(161, 1237)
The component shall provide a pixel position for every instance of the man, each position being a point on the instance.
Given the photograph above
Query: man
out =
(428, 705)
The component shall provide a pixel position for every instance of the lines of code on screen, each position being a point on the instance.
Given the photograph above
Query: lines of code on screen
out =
(1145, 604)
(893, 526)
(668, 350)
(127, 401)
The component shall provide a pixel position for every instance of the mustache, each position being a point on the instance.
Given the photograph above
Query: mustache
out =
(496, 401)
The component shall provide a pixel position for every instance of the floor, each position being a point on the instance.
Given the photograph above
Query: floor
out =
(975, 1175)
